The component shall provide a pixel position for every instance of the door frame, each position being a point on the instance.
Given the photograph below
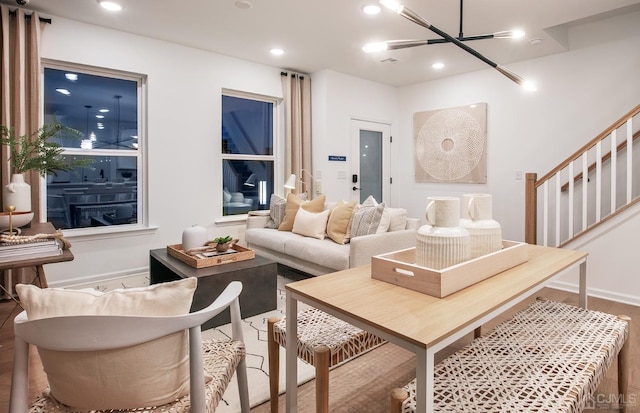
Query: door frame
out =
(355, 126)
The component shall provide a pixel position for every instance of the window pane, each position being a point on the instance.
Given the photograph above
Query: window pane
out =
(247, 126)
(103, 193)
(104, 109)
(247, 186)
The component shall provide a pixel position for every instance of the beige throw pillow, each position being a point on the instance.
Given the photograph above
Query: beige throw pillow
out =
(340, 221)
(366, 218)
(159, 368)
(293, 204)
(311, 224)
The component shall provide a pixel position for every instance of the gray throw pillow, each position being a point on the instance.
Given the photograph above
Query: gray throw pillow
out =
(277, 206)
(366, 218)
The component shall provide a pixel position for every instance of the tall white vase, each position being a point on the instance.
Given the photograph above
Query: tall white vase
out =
(193, 237)
(18, 194)
(442, 242)
(485, 232)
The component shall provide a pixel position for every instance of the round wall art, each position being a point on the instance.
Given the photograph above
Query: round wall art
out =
(450, 144)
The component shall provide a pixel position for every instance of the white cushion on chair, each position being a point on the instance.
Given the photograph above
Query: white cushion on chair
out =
(162, 364)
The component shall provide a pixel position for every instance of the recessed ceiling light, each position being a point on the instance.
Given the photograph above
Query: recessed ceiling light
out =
(371, 9)
(535, 41)
(71, 76)
(63, 91)
(110, 5)
(243, 4)
(103, 110)
(276, 52)
(100, 116)
(438, 65)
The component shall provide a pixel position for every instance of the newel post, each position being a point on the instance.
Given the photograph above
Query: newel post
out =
(530, 208)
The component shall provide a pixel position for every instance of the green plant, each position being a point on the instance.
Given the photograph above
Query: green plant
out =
(222, 240)
(37, 152)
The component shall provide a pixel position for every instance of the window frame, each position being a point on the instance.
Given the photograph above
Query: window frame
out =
(140, 154)
(276, 141)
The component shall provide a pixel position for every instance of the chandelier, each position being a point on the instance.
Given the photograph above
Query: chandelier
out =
(408, 14)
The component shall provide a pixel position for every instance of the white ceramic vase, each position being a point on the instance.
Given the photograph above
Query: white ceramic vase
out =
(193, 237)
(18, 194)
(443, 242)
(484, 231)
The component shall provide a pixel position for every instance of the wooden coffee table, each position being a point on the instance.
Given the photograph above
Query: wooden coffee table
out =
(258, 277)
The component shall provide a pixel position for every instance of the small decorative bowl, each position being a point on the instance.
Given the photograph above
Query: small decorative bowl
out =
(20, 219)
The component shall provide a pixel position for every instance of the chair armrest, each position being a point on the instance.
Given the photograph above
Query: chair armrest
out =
(364, 247)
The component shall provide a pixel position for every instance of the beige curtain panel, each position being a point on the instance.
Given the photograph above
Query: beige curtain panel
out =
(297, 106)
(20, 86)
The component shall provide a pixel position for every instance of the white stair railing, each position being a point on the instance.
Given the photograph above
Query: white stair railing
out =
(563, 205)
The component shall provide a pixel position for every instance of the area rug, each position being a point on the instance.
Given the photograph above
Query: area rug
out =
(255, 336)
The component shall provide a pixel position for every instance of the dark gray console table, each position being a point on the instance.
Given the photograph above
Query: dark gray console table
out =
(258, 277)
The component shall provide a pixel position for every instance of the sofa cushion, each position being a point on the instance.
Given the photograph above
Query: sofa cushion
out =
(293, 204)
(311, 224)
(325, 253)
(366, 218)
(72, 376)
(339, 225)
(277, 206)
(267, 238)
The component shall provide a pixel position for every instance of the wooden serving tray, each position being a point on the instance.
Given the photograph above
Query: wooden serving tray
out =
(400, 268)
(242, 254)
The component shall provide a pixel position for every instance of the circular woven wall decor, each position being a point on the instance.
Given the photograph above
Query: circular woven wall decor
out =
(450, 145)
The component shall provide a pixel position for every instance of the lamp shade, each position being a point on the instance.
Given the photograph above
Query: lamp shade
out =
(251, 181)
(291, 182)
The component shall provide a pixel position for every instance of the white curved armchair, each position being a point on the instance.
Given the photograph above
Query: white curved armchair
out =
(106, 332)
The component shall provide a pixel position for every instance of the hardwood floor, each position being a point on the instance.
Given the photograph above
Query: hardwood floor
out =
(607, 390)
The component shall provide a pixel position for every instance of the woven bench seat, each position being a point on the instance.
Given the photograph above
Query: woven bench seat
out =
(324, 341)
(550, 357)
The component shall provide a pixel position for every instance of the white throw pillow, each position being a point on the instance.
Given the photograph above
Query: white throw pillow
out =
(398, 220)
(311, 224)
(160, 368)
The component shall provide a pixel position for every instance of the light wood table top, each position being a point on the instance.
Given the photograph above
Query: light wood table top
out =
(420, 322)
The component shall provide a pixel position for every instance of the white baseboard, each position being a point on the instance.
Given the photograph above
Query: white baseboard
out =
(596, 292)
(105, 282)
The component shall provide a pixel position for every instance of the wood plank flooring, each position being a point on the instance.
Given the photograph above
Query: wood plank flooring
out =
(347, 379)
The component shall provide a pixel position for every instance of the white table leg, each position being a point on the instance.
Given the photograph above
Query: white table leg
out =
(292, 354)
(583, 284)
(424, 381)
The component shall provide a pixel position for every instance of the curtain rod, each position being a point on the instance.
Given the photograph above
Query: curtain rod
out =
(28, 17)
(292, 74)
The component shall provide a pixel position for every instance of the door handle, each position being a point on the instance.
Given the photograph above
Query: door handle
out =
(355, 188)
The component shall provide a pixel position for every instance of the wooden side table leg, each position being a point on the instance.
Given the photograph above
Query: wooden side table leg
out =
(40, 274)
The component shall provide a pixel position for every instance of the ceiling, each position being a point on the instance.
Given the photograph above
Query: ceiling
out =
(329, 34)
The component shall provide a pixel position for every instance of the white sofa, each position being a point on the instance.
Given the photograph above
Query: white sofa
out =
(315, 256)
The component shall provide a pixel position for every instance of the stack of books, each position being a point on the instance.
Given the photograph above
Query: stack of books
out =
(30, 250)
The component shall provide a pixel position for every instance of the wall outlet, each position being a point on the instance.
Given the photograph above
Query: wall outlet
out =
(518, 175)
(317, 184)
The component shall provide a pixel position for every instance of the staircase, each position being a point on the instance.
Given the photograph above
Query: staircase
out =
(590, 188)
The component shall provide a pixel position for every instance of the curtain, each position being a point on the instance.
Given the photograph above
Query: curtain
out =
(20, 87)
(20, 109)
(297, 112)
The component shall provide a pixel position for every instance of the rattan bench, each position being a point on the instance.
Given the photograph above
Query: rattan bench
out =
(550, 357)
(324, 341)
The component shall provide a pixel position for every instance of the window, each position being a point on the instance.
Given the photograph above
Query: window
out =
(104, 106)
(248, 161)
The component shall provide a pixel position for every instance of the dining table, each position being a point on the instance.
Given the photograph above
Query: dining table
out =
(422, 323)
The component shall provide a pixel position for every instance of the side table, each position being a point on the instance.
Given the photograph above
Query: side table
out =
(258, 277)
(37, 263)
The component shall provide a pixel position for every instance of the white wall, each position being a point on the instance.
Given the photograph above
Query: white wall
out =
(336, 99)
(184, 127)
